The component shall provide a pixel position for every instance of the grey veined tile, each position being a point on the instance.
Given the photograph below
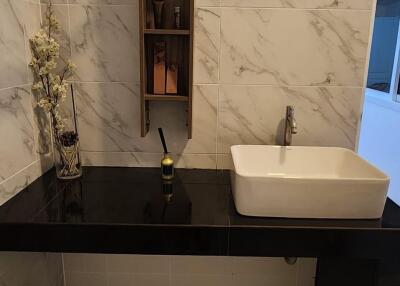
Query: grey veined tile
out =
(207, 3)
(13, 64)
(206, 45)
(204, 124)
(109, 120)
(326, 116)
(17, 148)
(294, 47)
(105, 42)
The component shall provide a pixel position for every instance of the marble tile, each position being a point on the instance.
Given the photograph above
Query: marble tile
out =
(124, 279)
(196, 161)
(304, 4)
(85, 278)
(206, 45)
(16, 183)
(105, 2)
(108, 116)
(200, 265)
(200, 280)
(105, 42)
(326, 116)
(84, 262)
(55, 271)
(13, 64)
(31, 15)
(204, 135)
(121, 159)
(109, 113)
(17, 149)
(306, 271)
(140, 159)
(224, 162)
(266, 266)
(54, 1)
(207, 3)
(294, 47)
(109, 120)
(281, 279)
(42, 136)
(143, 264)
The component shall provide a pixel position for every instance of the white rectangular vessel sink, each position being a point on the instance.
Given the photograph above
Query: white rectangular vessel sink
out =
(306, 182)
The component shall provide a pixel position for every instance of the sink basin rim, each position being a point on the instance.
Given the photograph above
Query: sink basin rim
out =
(382, 176)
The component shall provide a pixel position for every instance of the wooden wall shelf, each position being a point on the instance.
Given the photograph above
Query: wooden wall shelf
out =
(178, 52)
(166, 32)
(166, 97)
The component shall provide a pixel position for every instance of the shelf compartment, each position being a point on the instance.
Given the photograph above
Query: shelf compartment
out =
(179, 51)
(167, 97)
(166, 32)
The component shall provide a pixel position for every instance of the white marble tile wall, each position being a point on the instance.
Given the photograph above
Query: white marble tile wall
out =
(122, 270)
(251, 59)
(25, 151)
(265, 54)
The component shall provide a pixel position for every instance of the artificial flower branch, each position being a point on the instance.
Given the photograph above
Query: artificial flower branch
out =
(51, 88)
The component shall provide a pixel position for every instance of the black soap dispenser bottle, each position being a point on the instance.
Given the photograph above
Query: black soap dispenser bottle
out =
(167, 163)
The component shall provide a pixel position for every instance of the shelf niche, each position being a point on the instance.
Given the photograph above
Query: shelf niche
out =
(178, 51)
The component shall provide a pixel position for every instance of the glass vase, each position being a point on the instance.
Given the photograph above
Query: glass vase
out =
(67, 156)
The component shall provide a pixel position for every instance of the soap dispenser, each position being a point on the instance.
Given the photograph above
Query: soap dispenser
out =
(167, 163)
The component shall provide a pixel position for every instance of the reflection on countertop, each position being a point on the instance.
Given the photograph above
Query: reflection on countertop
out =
(106, 195)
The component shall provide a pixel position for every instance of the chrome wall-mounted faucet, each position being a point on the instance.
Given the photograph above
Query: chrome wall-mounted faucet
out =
(290, 126)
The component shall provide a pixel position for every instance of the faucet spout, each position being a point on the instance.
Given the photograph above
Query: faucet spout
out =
(290, 126)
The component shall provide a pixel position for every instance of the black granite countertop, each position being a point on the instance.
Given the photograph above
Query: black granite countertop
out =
(130, 210)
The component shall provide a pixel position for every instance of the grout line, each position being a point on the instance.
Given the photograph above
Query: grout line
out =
(31, 2)
(69, 32)
(120, 273)
(278, 85)
(297, 272)
(100, 4)
(15, 86)
(63, 266)
(170, 270)
(217, 130)
(152, 153)
(283, 8)
(19, 172)
(107, 82)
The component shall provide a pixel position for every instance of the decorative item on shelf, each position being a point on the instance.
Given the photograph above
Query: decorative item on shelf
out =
(172, 79)
(167, 163)
(50, 89)
(159, 13)
(177, 12)
(150, 21)
(159, 67)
